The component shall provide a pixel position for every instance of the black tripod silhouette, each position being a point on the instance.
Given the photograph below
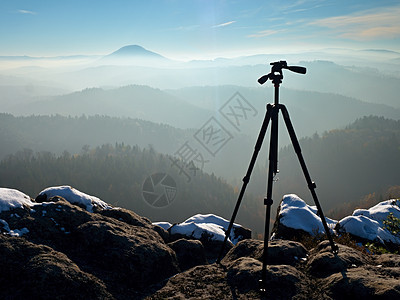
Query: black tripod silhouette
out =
(276, 77)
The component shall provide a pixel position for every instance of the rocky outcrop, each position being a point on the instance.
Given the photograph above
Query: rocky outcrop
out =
(280, 252)
(118, 249)
(190, 253)
(56, 249)
(30, 271)
(319, 274)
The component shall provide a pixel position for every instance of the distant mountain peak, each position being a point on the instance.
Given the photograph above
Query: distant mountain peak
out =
(134, 51)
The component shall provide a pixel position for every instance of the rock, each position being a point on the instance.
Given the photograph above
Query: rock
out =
(246, 248)
(360, 283)
(30, 271)
(244, 274)
(387, 260)
(118, 246)
(162, 232)
(279, 252)
(190, 253)
(296, 218)
(65, 250)
(282, 232)
(324, 263)
(286, 282)
(201, 282)
(127, 216)
(212, 247)
(133, 255)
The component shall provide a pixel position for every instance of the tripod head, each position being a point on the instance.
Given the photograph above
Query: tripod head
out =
(276, 75)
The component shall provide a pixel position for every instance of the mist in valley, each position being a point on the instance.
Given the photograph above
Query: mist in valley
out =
(68, 106)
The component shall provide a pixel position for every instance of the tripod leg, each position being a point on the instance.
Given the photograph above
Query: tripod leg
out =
(246, 179)
(310, 183)
(272, 170)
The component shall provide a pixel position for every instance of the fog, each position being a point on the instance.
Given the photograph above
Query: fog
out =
(134, 83)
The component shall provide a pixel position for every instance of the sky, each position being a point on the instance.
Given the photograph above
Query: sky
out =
(189, 29)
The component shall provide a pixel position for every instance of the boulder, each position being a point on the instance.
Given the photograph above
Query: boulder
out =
(244, 274)
(133, 255)
(201, 282)
(30, 271)
(190, 253)
(279, 252)
(116, 246)
(361, 283)
(324, 263)
(212, 240)
(127, 216)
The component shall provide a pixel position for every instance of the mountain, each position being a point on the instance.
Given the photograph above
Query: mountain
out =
(134, 50)
(133, 101)
(326, 110)
(134, 54)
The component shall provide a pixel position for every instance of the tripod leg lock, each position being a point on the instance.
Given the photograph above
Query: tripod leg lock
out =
(312, 185)
(268, 201)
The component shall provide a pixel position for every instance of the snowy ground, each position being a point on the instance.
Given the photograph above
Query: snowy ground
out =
(76, 197)
(364, 223)
(11, 199)
(199, 225)
(294, 213)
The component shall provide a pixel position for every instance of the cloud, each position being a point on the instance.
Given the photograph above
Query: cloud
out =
(366, 25)
(224, 24)
(264, 33)
(24, 11)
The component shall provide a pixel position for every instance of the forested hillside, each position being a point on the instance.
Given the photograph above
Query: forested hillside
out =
(347, 164)
(58, 133)
(116, 174)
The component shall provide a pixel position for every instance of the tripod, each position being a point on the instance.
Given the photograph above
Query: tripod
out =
(276, 77)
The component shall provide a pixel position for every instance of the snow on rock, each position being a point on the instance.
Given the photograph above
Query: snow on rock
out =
(164, 225)
(368, 223)
(6, 227)
(12, 232)
(380, 211)
(18, 232)
(75, 197)
(209, 225)
(197, 231)
(295, 213)
(10, 198)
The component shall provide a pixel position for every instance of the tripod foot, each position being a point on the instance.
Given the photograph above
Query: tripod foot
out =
(335, 249)
(262, 287)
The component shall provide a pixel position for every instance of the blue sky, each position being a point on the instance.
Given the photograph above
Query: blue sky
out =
(196, 29)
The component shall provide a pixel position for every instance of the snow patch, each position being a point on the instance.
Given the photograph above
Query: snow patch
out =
(10, 199)
(364, 223)
(368, 223)
(6, 227)
(74, 196)
(210, 225)
(19, 232)
(14, 232)
(165, 225)
(213, 231)
(297, 214)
